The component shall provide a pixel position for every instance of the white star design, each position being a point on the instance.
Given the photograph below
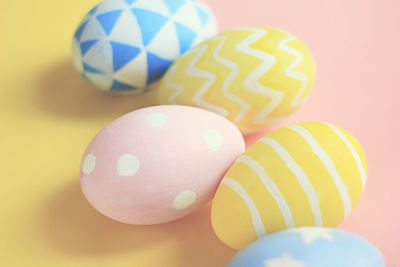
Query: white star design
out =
(310, 234)
(284, 261)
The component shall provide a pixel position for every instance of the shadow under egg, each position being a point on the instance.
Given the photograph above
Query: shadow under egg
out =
(65, 92)
(73, 227)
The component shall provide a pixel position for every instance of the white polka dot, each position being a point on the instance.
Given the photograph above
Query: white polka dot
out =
(184, 200)
(213, 139)
(89, 164)
(128, 165)
(156, 119)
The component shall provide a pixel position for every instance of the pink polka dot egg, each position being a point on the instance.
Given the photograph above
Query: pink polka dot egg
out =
(158, 164)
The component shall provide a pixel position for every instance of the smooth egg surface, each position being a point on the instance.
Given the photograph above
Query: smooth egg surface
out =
(127, 45)
(254, 76)
(305, 174)
(158, 164)
(309, 247)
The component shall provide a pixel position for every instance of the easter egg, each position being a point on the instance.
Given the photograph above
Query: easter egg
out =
(305, 174)
(253, 76)
(309, 247)
(127, 45)
(158, 164)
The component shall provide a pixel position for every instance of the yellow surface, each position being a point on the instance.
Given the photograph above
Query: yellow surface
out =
(341, 149)
(48, 115)
(253, 76)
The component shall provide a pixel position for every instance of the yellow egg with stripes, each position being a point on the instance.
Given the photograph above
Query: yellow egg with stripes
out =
(305, 174)
(254, 76)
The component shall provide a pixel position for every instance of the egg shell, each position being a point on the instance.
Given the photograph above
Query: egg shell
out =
(254, 76)
(158, 164)
(305, 174)
(127, 45)
(309, 247)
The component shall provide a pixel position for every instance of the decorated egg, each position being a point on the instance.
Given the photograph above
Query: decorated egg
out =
(305, 174)
(158, 164)
(309, 247)
(253, 76)
(127, 45)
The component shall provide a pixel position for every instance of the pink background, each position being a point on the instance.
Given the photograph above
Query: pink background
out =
(356, 46)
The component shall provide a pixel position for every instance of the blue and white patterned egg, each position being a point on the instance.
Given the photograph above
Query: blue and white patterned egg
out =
(309, 247)
(127, 45)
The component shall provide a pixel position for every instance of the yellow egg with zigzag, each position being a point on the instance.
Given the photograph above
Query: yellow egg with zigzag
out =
(253, 76)
(305, 174)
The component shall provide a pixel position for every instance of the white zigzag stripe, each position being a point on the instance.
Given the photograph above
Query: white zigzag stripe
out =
(360, 166)
(251, 83)
(328, 164)
(255, 215)
(229, 79)
(271, 188)
(193, 71)
(178, 88)
(294, 74)
(300, 176)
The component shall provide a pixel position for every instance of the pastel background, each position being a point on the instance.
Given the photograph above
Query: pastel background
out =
(48, 115)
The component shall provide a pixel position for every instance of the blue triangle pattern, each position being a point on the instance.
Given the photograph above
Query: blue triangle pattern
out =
(120, 86)
(130, 2)
(108, 20)
(123, 54)
(87, 78)
(186, 37)
(90, 69)
(93, 10)
(79, 31)
(150, 23)
(156, 67)
(85, 46)
(203, 15)
(174, 5)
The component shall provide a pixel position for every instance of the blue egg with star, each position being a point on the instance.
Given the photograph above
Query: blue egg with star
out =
(309, 247)
(128, 45)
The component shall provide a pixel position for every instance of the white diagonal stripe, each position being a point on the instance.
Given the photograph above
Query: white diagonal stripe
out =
(245, 107)
(294, 74)
(328, 164)
(300, 176)
(193, 71)
(271, 187)
(177, 87)
(360, 166)
(252, 81)
(238, 188)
